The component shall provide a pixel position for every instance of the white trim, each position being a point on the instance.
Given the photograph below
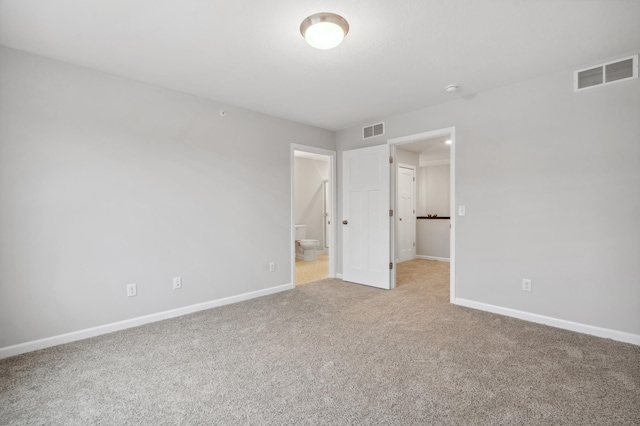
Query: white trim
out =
(408, 260)
(607, 333)
(407, 166)
(334, 205)
(451, 132)
(425, 163)
(439, 259)
(339, 276)
(393, 249)
(134, 322)
(452, 215)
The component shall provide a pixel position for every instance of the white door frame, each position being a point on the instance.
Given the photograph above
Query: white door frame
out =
(333, 213)
(447, 131)
(414, 195)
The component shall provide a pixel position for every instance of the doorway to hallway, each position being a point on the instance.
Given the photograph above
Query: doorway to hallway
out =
(434, 232)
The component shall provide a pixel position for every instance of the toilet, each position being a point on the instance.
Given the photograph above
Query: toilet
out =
(305, 249)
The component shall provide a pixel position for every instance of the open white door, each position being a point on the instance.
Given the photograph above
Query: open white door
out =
(366, 225)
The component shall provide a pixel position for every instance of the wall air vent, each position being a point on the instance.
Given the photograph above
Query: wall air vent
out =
(373, 131)
(610, 72)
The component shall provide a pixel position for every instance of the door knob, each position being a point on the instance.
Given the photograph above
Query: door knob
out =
(400, 218)
(344, 222)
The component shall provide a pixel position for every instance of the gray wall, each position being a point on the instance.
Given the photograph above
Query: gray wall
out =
(433, 238)
(407, 157)
(434, 190)
(551, 183)
(105, 181)
(309, 196)
(434, 197)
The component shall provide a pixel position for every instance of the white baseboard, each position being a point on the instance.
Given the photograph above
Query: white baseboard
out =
(620, 336)
(439, 259)
(134, 322)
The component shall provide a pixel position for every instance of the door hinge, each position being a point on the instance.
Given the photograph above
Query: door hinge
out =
(414, 179)
(390, 160)
(414, 244)
(390, 265)
(390, 212)
(414, 212)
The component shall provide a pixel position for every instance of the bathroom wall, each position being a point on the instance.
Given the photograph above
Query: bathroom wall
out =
(309, 195)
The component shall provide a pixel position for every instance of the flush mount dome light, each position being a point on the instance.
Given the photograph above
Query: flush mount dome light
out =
(324, 30)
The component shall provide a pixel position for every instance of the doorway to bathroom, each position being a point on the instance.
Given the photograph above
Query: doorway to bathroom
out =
(312, 212)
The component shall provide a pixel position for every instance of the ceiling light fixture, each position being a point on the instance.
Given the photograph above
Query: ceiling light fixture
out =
(447, 142)
(324, 30)
(452, 88)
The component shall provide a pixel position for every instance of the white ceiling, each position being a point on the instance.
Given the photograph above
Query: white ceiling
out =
(397, 57)
(430, 150)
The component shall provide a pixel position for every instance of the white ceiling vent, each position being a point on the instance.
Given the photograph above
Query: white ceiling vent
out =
(373, 131)
(607, 73)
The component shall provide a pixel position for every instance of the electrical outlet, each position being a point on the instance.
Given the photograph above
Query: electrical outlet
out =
(177, 283)
(461, 211)
(132, 290)
(272, 266)
(526, 284)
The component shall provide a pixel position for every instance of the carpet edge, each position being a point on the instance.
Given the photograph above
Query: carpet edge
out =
(60, 339)
(620, 336)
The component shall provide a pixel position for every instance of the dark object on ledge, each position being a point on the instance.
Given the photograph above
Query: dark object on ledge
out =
(437, 217)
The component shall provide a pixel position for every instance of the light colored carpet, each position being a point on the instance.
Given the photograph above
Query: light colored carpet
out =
(310, 271)
(330, 352)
